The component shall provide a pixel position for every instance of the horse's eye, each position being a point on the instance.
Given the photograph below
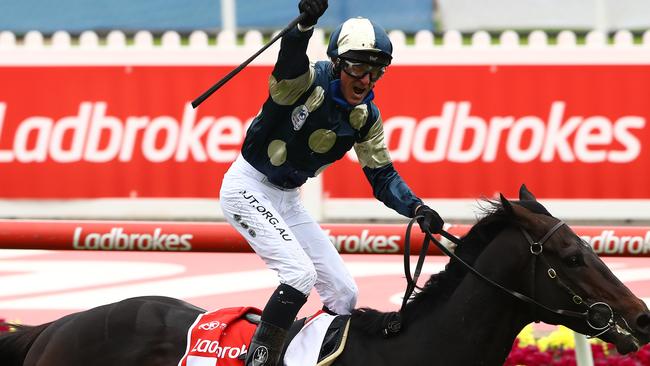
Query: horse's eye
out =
(574, 260)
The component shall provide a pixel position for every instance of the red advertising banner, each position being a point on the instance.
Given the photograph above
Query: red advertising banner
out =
(565, 131)
(168, 236)
(86, 132)
(577, 131)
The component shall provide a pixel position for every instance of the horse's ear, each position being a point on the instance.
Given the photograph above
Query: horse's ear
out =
(529, 201)
(507, 206)
(525, 194)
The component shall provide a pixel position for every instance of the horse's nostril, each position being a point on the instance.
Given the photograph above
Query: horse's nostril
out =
(643, 323)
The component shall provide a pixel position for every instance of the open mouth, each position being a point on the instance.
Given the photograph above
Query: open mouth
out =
(358, 91)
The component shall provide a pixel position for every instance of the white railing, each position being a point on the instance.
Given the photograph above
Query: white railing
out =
(253, 39)
(224, 48)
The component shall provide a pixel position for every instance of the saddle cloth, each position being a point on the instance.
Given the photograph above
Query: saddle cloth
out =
(221, 337)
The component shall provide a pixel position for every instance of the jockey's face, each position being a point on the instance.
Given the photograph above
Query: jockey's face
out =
(354, 88)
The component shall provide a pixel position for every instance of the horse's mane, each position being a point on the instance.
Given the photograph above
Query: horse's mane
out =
(440, 286)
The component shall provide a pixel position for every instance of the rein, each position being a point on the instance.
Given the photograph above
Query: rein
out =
(590, 315)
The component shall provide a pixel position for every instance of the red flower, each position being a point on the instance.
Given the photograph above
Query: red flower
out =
(3, 326)
(567, 359)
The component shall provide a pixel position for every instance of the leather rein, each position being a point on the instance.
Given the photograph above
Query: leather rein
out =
(591, 315)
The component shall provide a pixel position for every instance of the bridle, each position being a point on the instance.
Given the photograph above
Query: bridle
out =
(593, 312)
(599, 316)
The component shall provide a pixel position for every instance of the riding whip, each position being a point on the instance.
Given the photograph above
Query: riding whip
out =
(196, 102)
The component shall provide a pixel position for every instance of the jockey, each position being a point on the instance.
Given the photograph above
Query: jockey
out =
(314, 114)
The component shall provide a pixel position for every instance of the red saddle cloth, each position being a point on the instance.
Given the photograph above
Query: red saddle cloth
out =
(219, 337)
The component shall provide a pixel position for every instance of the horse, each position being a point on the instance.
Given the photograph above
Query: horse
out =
(531, 267)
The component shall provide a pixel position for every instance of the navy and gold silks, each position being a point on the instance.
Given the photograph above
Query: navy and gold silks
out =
(306, 124)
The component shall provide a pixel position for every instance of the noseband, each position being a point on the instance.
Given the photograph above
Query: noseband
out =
(599, 316)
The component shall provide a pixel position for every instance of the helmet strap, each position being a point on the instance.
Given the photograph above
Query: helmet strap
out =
(337, 67)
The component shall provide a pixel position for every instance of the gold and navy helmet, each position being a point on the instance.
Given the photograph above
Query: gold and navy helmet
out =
(361, 40)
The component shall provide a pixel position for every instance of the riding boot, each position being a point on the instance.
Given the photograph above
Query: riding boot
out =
(279, 313)
(266, 345)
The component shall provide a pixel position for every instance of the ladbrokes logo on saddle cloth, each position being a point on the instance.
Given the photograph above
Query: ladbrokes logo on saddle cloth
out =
(219, 338)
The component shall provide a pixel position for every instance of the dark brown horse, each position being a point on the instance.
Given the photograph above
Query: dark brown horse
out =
(456, 319)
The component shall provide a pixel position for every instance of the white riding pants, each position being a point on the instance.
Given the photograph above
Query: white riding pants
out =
(288, 239)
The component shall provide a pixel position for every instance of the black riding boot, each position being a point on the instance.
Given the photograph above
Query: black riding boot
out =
(278, 315)
(266, 345)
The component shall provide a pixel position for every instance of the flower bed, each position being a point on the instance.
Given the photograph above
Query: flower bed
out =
(557, 349)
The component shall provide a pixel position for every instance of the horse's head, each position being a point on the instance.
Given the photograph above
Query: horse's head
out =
(572, 283)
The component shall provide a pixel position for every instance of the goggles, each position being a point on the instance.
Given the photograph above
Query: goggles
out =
(359, 70)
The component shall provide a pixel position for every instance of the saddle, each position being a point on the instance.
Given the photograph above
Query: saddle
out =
(333, 342)
(222, 337)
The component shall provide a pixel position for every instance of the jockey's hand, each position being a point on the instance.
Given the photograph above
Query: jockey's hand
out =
(429, 219)
(313, 10)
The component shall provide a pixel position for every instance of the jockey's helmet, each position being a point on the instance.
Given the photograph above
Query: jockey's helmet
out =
(361, 40)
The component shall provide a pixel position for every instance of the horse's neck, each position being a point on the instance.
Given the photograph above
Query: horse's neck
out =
(480, 320)
(476, 326)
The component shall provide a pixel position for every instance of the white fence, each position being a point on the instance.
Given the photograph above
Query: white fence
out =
(144, 49)
(226, 38)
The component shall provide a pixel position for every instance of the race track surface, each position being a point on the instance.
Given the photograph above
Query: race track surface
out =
(40, 286)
